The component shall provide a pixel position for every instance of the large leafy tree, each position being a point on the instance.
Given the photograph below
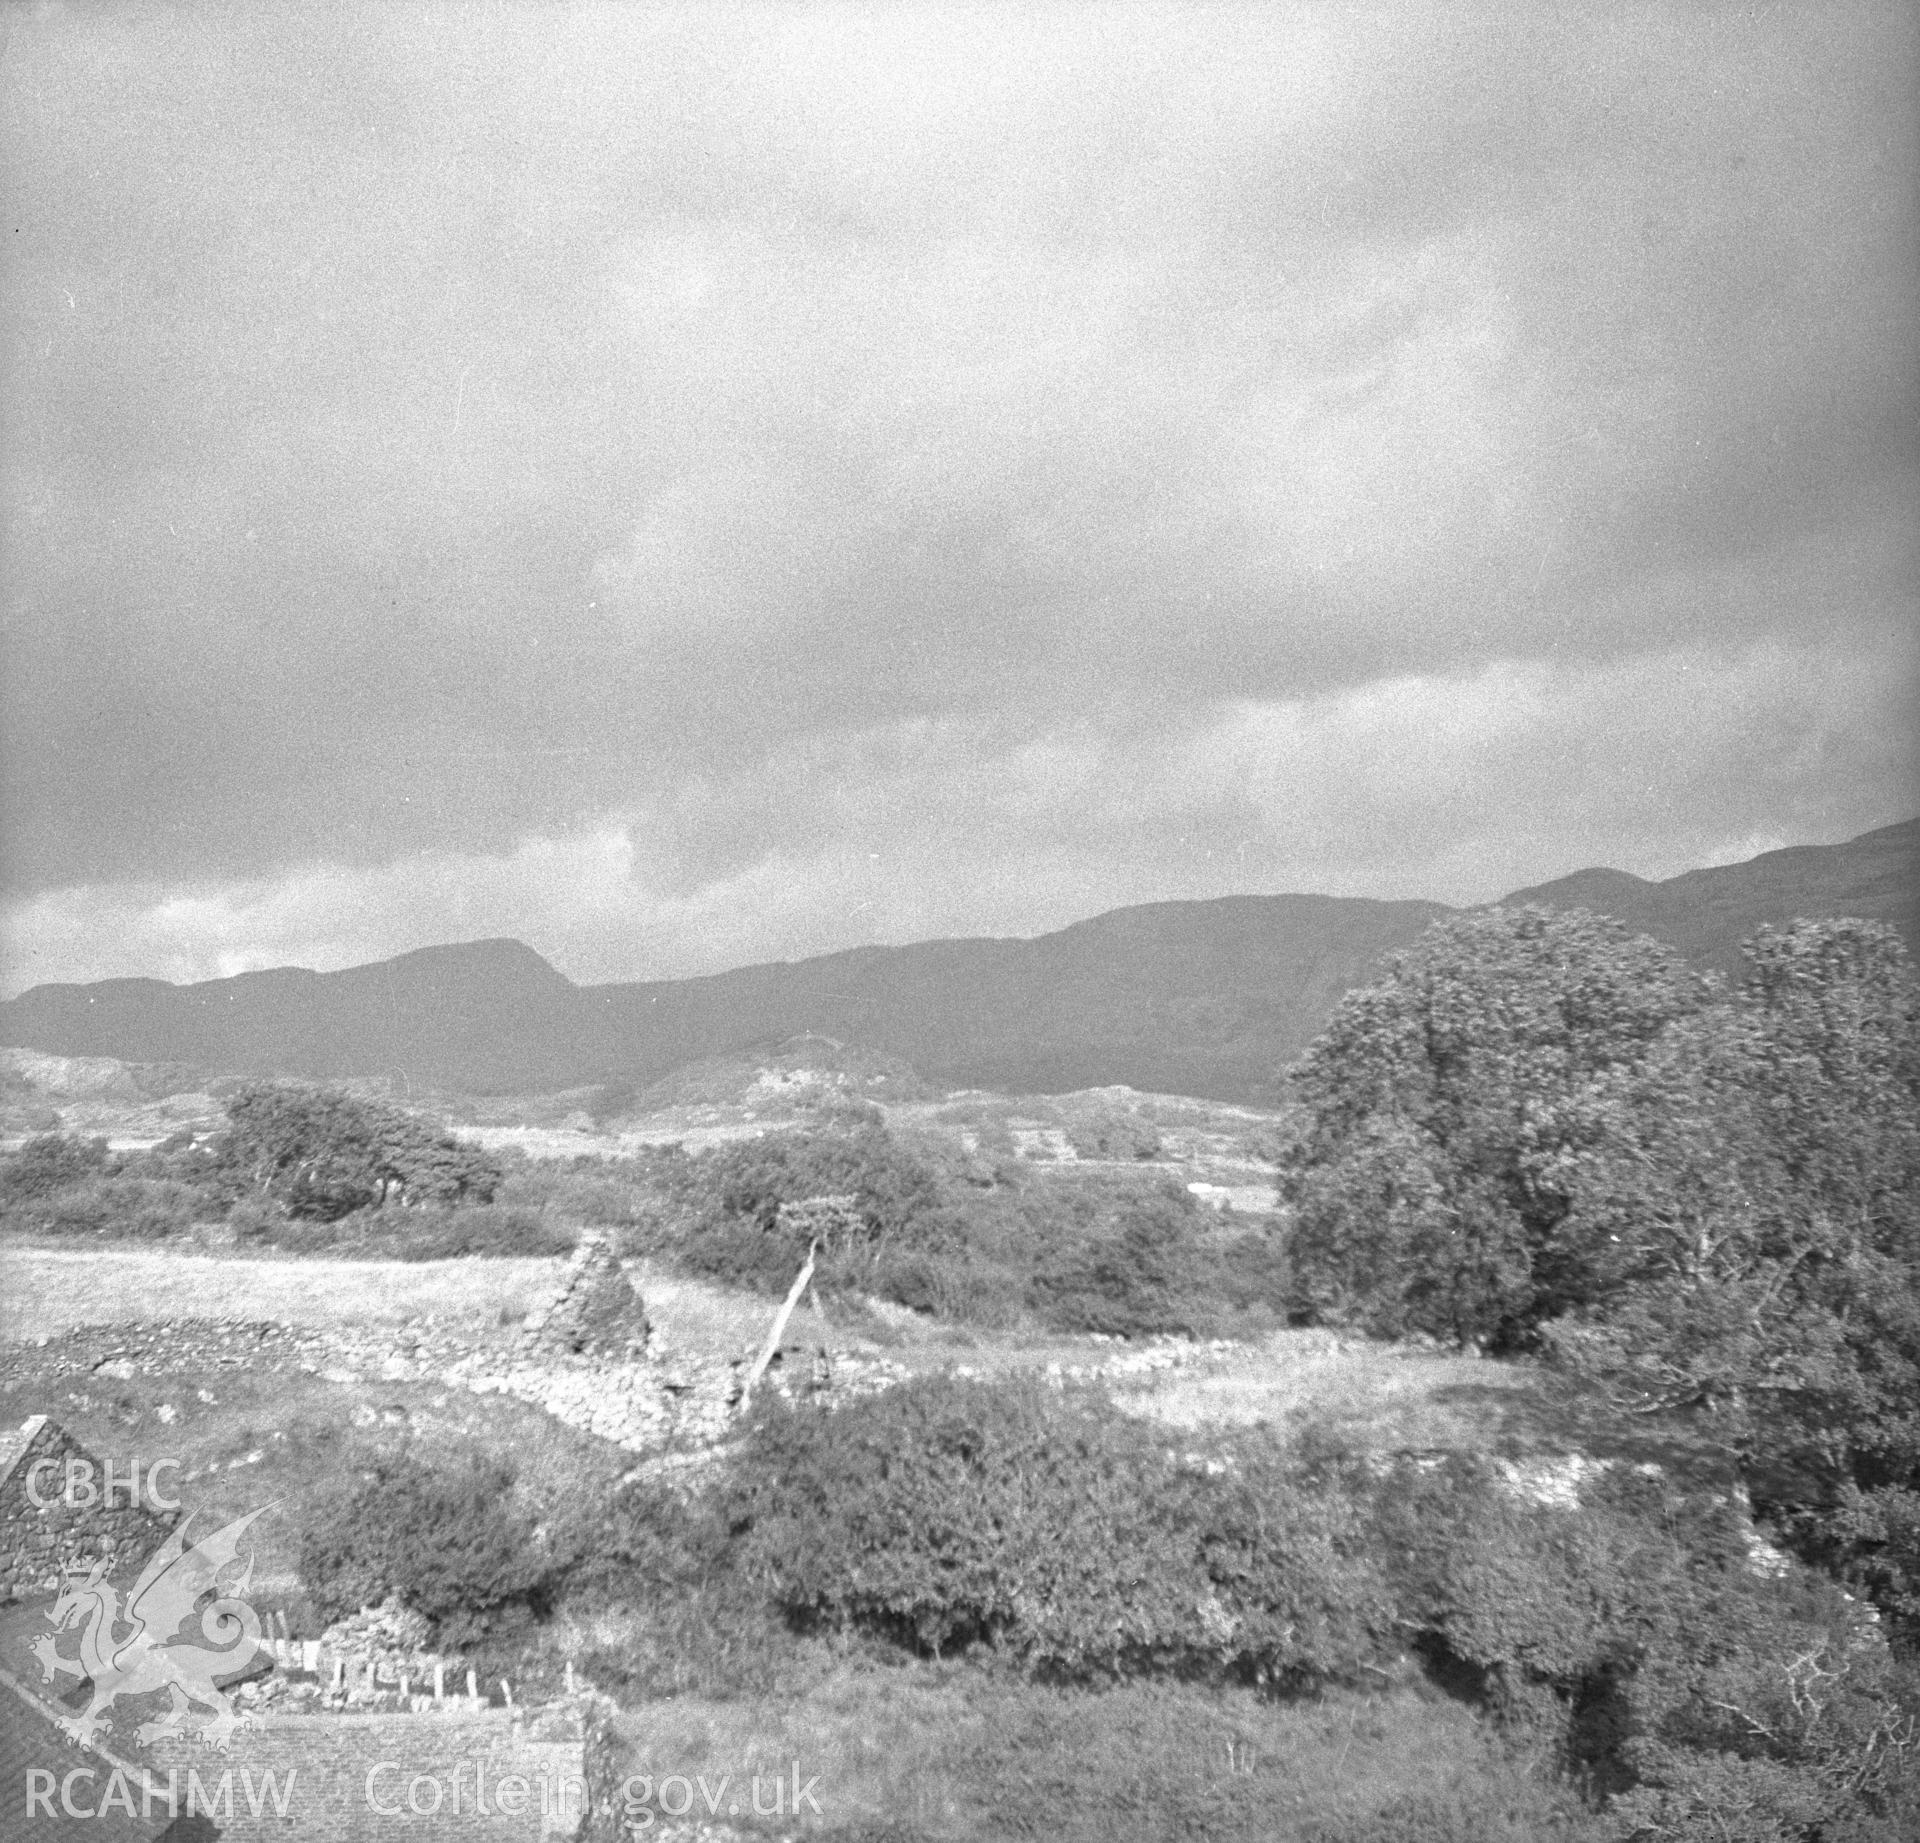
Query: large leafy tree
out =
(1537, 1130)
(1455, 1109)
(1777, 1201)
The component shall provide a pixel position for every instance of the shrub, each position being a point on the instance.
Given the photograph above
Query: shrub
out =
(485, 1229)
(481, 1229)
(144, 1209)
(594, 1201)
(1249, 1271)
(1141, 1277)
(444, 1538)
(1053, 1530)
(1634, 1633)
(966, 1284)
(1114, 1132)
(736, 1233)
(661, 1570)
(47, 1163)
(256, 1220)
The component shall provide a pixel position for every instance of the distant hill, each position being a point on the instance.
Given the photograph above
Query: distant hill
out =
(1203, 998)
(1706, 914)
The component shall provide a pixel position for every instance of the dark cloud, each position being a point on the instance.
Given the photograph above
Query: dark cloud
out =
(686, 447)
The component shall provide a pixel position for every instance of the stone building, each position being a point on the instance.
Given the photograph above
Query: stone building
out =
(62, 1510)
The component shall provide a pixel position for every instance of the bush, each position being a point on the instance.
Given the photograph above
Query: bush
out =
(661, 1570)
(477, 1229)
(1250, 1272)
(1114, 1132)
(257, 1220)
(47, 1163)
(593, 1201)
(145, 1209)
(965, 1284)
(1140, 1278)
(1055, 1531)
(1633, 1632)
(444, 1538)
(734, 1231)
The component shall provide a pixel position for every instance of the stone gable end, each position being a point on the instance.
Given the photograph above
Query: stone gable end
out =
(65, 1530)
(594, 1311)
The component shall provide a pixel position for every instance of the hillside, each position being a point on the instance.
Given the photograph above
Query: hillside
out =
(1203, 998)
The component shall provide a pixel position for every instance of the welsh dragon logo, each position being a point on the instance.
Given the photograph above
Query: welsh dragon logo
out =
(180, 1587)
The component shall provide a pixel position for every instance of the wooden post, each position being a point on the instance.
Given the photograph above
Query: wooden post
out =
(779, 1326)
(439, 1684)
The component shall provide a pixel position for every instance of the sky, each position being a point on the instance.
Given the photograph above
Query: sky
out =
(689, 487)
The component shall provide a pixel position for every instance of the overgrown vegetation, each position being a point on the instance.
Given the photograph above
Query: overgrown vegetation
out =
(1053, 1531)
(961, 1235)
(1706, 1203)
(1622, 1637)
(307, 1169)
(445, 1539)
(952, 1235)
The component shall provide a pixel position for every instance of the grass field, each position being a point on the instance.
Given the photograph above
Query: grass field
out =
(955, 1752)
(44, 1291)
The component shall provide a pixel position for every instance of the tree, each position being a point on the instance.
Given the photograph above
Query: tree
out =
(1777, 1297)
(1454, 1108)
(323, 1153)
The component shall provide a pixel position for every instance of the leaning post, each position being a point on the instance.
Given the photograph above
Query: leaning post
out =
(779, 1327)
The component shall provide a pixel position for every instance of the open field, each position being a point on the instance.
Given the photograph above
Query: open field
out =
(44, 1291)
(1372, 1393)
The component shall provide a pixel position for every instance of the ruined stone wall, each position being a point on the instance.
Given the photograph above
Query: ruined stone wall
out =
(76, 1522)
(594, 1311)
(665, 1399)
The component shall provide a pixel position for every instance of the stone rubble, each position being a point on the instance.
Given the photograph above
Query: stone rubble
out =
(586, 1360)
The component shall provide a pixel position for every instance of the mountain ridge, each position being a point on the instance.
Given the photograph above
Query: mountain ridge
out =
(1206, 996)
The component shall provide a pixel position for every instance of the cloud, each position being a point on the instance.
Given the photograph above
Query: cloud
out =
(939, 828)
(441, 436)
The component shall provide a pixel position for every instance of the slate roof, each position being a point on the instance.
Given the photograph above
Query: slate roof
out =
(29, 1740)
